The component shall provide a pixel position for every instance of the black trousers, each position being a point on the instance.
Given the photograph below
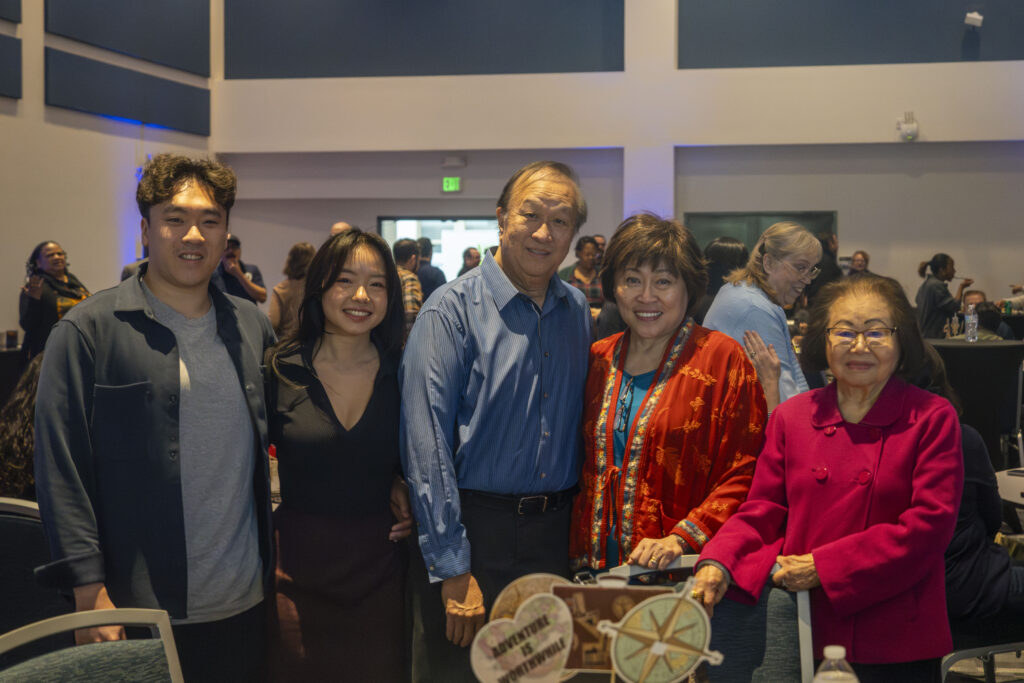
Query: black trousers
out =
(231, 649)
(504, 545)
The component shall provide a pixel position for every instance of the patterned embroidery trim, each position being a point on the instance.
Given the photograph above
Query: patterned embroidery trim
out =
(694, 532)
(602, 472)
(635, 447)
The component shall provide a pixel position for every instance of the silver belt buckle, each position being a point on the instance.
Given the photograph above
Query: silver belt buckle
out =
(543, 508)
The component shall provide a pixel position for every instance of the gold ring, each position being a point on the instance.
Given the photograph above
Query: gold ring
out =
(697, 595)
(652, 563)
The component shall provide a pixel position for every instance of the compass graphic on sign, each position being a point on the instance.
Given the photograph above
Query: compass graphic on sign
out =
(662, 639)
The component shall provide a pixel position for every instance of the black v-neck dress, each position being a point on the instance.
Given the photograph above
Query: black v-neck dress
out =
(339, 580)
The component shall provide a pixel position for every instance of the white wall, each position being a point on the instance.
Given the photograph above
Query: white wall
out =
(69, 176)
(900, 203)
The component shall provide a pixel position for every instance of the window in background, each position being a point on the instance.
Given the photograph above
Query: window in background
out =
(747, 227)
(449, 236)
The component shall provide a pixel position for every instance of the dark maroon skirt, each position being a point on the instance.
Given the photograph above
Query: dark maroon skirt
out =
(340, 586)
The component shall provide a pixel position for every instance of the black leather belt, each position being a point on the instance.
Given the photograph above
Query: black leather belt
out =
(534, 504)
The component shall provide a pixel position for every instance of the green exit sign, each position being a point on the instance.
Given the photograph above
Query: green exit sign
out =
(451, 184)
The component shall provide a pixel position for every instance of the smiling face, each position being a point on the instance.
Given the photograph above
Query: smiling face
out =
(52, 260)
(651, 301)
(862, 365)
(536, 231)
(859, 263)
(588, 257)
(788, 276)
(186, 237)
(358, 300)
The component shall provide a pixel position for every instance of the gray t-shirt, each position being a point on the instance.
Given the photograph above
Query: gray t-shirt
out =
(217, 461)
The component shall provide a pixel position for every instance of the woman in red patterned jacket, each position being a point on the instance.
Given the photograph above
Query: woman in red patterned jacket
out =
(673, 417)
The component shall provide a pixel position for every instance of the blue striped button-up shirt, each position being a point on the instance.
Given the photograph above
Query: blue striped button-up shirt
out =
(492, 393)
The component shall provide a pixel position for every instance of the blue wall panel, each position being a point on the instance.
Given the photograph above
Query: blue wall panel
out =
(10, 10)
(312, 38)
(745, 33)
(10, 67)
(175, 33)
(75, 82)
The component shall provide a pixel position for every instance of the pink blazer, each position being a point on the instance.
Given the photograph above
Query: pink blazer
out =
(875, 502)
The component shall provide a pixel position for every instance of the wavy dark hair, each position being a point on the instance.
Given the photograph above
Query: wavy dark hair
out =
(645, 239)
(323, 272)
(17, 435)
(165, 175)
(915, 365)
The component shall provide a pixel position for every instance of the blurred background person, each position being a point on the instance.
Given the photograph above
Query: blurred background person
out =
(859, 263)
(935, 304)
(828, 267)
(855, 494)
(989, 321)
(17, 435)
(723, 255)
(333, 414)
(470, 260)
(583, 274)
(407, 258)
(236, 277)
(431, 277)
(782, 264)
(49, 292)
(286, 297)
(976, 297)
(663, 372)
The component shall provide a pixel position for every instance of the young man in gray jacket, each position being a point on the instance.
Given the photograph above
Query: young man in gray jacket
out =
(151, 438)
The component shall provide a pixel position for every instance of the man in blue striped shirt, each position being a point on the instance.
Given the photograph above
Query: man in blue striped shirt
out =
(492, 392)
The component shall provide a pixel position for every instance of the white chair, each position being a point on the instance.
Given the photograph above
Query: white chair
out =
(154, 659)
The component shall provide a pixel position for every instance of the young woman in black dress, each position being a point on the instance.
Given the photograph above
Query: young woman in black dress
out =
(334, 408)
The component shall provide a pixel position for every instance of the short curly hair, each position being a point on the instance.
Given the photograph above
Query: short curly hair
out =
(166, 174)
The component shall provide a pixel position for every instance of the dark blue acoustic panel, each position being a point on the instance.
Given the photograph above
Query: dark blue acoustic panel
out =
(312, 38)
(741, 33)
(10, 67)
(175, 34)
(10, 10)
(75, 82)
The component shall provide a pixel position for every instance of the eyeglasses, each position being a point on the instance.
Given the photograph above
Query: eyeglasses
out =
(803, 270)
(875, 336)
(625, 401)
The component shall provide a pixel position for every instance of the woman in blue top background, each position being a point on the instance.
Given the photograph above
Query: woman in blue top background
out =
(781, 264)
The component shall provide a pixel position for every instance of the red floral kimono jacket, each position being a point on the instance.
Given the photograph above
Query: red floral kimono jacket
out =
(691, 446)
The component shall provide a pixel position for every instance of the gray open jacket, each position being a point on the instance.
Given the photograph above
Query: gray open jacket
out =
(106, 453)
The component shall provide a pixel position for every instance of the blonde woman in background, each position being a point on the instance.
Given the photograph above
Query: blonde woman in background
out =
(781, 265)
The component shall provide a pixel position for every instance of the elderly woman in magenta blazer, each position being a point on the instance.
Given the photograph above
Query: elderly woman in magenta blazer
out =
(855, 493)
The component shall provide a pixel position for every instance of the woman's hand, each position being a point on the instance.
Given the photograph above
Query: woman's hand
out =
(762, 356)
(797, 572)
(401, 510)
(709, 587)
(34, 287)
(768, 366)
(656, 553)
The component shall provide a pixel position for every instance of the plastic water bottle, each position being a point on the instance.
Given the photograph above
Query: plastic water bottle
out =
(971, 324)
(835, 667)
